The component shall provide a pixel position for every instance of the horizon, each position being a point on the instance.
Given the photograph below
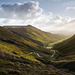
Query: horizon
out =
(54, 16)
(13, 26)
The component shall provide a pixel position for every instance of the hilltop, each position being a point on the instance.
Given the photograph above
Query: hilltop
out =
(39, 37)
(18, 45)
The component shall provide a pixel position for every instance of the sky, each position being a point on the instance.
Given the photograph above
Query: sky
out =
(55, 16)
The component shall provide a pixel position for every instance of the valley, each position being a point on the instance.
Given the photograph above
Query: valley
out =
(26, 50)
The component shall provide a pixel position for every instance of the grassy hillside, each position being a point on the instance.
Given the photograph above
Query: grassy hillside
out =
(17, 45)
(15, 58)
(11, 65)
(34, 34)
(66, 47)
(66, 58)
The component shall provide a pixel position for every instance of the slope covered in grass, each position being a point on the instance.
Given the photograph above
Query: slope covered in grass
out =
(34, 34)
(66, 59)
(18, 45)
(11, 65)
(12, 46)
(67, 47)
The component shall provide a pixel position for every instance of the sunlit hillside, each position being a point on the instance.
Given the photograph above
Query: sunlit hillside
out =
(40, 37)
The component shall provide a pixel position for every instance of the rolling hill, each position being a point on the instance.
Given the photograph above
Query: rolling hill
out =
(35, 35)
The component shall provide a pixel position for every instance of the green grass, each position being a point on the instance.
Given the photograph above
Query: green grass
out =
(31, 57)
(13, 46)
(50, 45)
(67, 47)
(17, 45)
(8, 47)
(36, 35)
(22, 66)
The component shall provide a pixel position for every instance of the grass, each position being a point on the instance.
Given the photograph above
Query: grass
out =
(13, 47)
(22, 66)
(31, 57)
(66, 64)
(67, 47)
(16, 51)
(63, 59)
(8, 47)
(36, 35)
(50, 45)
(18, 45)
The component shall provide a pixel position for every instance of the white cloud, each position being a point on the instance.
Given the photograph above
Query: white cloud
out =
(68, 8)
(28, 10)
(7, 21)
(31, 13)
(50, 13)
(57, 24)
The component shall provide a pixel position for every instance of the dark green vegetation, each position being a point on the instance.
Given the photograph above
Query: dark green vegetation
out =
(40, 37)
(67, 47)
(51, 45)
(66, 59)
(16, 43)
(10, 65)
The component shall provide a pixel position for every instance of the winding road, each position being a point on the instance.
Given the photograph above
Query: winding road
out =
(39, 55)
(42, 56)
(53, 53)
(35, 53)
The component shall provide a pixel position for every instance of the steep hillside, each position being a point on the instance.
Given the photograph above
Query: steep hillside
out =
(66, 58)
(34, 34)
(17, 45)
(67, 47)
(16, 57)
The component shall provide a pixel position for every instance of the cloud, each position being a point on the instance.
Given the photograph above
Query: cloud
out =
(31, 13)
(50, 13)
(58, 24)
(70, 11)
(70, 8)
(7, 21)
(28, 10)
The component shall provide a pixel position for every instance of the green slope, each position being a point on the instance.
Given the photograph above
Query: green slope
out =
(12, 46)
(34, 34)
(67, 47)
(17, 45)
(66, 59)
(10, 65)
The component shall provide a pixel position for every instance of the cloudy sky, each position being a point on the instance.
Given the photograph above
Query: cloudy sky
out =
(56, 16)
